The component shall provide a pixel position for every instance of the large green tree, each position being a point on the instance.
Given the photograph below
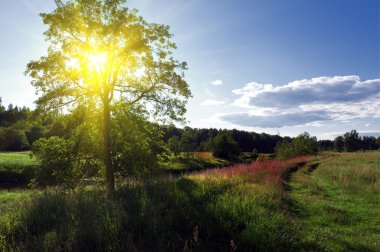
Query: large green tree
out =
(101, 52)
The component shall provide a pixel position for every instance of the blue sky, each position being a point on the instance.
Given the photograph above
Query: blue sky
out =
(267, 66)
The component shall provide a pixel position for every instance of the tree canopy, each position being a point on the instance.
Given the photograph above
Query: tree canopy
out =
(102, 53)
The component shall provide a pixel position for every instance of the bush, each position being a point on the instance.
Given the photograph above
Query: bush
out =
(56, 160)
(303, 144)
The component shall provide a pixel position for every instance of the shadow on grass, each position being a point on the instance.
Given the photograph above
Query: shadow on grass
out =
(161, 215)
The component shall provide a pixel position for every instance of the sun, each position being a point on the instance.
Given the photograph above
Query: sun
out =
(97, 61)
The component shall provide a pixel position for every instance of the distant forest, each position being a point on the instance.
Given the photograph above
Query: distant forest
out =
(19, 129)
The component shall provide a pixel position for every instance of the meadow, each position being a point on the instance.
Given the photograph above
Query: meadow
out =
(16, 168)
(327, 202)
(337, 203)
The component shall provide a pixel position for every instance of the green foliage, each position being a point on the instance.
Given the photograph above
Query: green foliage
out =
(351, 141)
(339, 144)
(136, 143)
(73, 157)
(224, 146)
(187, 141)
(303, 144)
(11, 115)
(81, 30)
(193, 139)
(13, 140)
(35, 133)
(56, 160)
(174, 145)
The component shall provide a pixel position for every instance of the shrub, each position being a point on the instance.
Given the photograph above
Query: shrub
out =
(56, 160)
(303, 144)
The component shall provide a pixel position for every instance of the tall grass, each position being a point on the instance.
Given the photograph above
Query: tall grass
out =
(233, 208)
(356, 172)
(264, 171)
(337, 204)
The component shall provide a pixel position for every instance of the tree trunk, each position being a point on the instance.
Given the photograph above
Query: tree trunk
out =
(110, 178)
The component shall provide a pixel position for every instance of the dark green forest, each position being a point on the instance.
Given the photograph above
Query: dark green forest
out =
(20, 127)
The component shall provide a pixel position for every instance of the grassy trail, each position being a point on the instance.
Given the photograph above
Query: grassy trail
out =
(336, 202)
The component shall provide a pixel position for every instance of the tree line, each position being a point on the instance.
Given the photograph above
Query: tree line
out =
(19, 129)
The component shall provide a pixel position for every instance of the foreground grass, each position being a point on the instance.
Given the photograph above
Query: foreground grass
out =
(331, 205)
(337, 205)
(235, 208)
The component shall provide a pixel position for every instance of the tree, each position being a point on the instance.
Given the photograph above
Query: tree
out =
(34, 133)
(13, 140)
(351, 141)
(326, 145)
(100, 52)
(174, 145)
(187, 141)
(339, 143)
(303, 144)
(224, 146)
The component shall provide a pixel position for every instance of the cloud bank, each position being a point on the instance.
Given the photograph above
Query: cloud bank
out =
(306, 101)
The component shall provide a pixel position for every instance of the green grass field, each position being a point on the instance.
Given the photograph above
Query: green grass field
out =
(16, 168)
(194, 162)
(329, 204)
(337, 205)
(16, 159)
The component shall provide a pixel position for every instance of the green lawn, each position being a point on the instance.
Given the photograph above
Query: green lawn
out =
(16, 159)
(16, 168)
(337, 205)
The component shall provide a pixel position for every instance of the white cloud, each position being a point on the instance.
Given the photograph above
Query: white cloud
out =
(321, 90)
(210, 102)
(307, 102)
(217, 83)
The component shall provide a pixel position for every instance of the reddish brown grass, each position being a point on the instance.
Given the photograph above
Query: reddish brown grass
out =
(264, 171)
